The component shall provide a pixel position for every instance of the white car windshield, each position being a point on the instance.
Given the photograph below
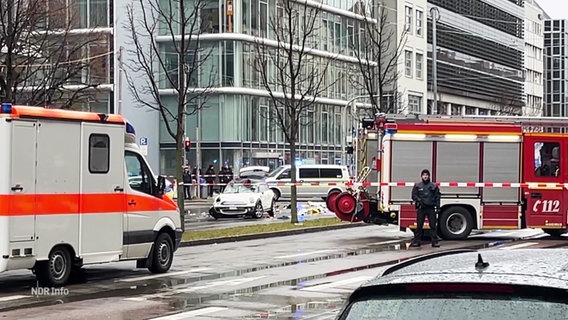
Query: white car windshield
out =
(275, 172)
(240, 189)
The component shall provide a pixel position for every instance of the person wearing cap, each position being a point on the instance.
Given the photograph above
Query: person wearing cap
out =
(426, 197)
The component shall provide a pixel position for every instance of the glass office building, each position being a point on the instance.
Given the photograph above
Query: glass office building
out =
(556, 46)
(232, 125)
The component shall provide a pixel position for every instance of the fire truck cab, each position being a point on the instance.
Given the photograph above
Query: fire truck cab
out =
(493, 173)
(75, 190)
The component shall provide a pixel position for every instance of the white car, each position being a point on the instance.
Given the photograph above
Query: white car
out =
(254, 172)
(243, 199)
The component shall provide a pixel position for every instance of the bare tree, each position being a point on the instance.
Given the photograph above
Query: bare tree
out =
(508, 104)
(378, 50)
(292, 75)
(45, 58)
(177, 63)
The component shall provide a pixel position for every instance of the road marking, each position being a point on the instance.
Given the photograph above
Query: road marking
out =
(135, 299)
(169, 274)
(233, 282)
(303, 254)
(391, 230)
(520, 245)
(337, 283)
(193, 313)
(10, 298)
(385, 242)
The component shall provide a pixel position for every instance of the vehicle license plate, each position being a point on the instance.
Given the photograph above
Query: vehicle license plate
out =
(232, 208)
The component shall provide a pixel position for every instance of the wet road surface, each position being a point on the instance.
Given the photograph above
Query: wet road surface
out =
(294, 277)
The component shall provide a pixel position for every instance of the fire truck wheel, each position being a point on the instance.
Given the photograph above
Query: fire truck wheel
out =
(455, 223)
(555, 233)
(162, 254)
(55, 272)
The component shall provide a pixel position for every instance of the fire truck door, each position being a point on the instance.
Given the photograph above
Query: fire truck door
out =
(543, 164)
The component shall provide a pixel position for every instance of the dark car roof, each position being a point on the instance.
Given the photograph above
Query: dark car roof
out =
(532, 267)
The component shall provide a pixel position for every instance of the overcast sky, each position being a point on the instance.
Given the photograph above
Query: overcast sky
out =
(557, 9)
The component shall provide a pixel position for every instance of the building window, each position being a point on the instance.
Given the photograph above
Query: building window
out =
(408, 19)
(324, 127)
(264, 123)
(419, 23)
(98, 13)
(408, 63)
(419, 58)
(338, 128)
(414, 104)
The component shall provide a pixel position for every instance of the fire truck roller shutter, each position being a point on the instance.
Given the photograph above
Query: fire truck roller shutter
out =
(501, 163)
(408, 159)
(457, 162)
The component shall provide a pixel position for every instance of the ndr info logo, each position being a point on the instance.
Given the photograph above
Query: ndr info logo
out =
(46, 291)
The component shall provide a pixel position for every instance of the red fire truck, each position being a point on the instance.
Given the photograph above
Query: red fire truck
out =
(493, 172)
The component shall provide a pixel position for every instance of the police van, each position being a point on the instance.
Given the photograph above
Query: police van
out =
(316, 177)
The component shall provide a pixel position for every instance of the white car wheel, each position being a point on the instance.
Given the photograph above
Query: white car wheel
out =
(258, 211)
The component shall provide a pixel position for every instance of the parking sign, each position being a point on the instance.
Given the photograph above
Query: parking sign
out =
(143, 141)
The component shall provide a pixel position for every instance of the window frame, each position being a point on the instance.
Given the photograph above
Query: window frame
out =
(91, 146)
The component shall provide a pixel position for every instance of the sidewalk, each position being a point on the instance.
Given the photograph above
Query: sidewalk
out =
(264, 235)
(282, 215)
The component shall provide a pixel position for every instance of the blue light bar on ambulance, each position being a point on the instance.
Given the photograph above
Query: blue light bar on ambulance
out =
(130, 128)
(6, 107)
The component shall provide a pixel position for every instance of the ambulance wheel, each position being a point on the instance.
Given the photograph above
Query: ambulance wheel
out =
(455, 223)
(162, 254)
(56, 271)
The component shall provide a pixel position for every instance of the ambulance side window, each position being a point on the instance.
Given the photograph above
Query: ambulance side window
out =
(139, 177)
(547, 159)
(99, 153)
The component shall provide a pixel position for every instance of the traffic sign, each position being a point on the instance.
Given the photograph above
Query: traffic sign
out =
(143, 141)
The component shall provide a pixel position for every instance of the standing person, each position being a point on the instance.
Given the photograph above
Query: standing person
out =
(187, 183)
(426, 196)
(210, 179)
(223, 178)
(196, 184)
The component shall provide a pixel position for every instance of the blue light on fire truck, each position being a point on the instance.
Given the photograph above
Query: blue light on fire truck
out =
(6, 107)
(390, 131)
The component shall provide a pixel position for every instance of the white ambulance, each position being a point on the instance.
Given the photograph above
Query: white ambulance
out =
(75, 190)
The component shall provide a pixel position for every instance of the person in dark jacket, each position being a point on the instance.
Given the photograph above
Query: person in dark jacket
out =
(210, 179)
(224, 178)
(187, 183)
(426, 197)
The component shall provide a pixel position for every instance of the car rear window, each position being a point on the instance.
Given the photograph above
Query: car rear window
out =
(456, 306)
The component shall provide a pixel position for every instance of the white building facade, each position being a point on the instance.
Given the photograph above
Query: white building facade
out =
(412, 70)
(534, 59)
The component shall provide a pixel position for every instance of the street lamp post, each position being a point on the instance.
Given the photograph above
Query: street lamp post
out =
(435, 17)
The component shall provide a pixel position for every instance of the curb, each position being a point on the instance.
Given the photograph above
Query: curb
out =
(265, 235)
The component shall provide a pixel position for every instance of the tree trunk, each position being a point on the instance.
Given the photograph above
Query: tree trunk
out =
(179, 175)
(294, 178)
